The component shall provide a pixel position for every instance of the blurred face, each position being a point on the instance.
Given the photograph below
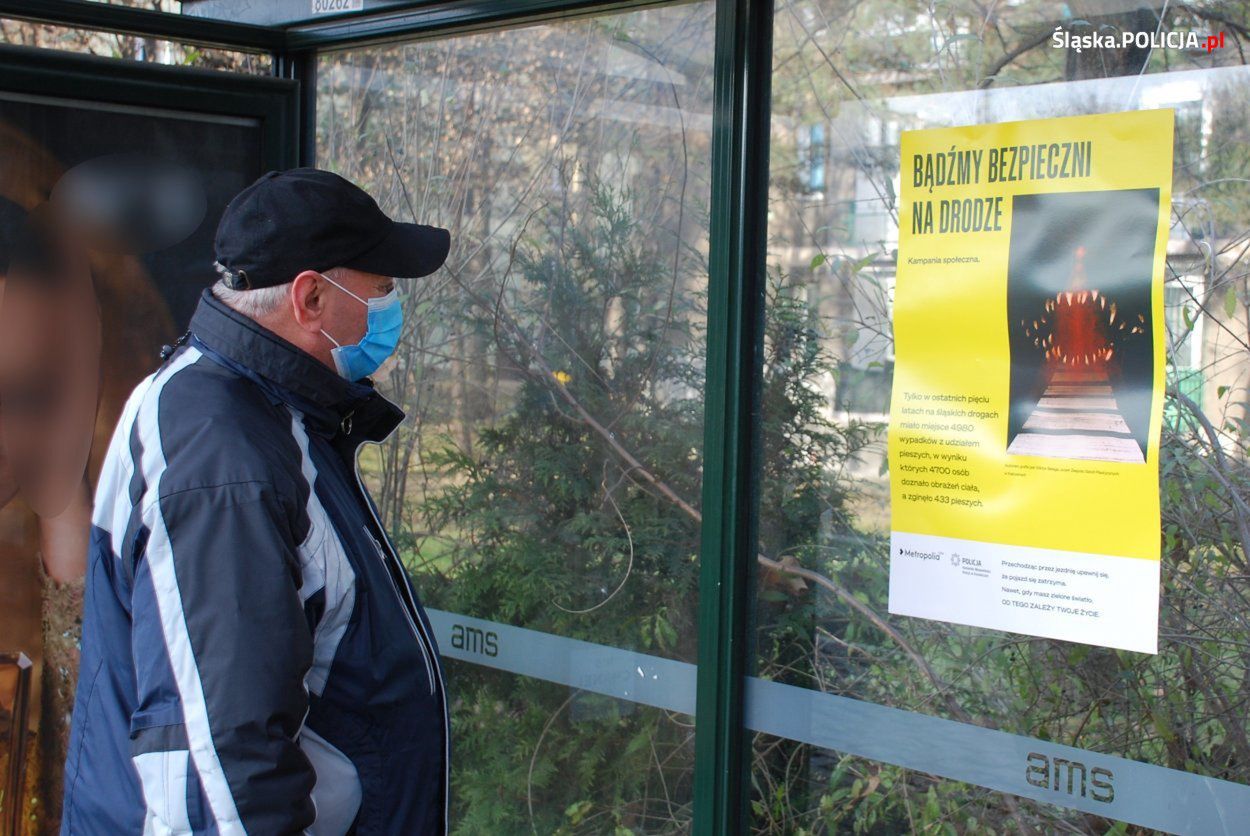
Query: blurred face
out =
(49, 383)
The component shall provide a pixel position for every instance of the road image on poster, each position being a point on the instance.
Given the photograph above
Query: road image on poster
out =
(1079, 321)
(1028, 383)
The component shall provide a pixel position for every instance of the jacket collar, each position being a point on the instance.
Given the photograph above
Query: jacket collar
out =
(334, 405)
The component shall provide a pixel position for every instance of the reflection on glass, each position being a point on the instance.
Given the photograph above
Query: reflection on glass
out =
(841, 99)
(548, 475)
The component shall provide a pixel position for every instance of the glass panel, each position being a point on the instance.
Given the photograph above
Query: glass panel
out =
(877, 723)
(132, 47)
(545, 486)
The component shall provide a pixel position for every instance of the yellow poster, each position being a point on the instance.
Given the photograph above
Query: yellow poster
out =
(1029, 373)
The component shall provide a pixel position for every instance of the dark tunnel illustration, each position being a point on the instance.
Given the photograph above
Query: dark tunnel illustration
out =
(1080, 324)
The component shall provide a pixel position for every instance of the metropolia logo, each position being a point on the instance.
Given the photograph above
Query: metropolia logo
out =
(1063, 38)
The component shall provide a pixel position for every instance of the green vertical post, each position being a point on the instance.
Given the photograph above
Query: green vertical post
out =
(301, 66)
(740, 141)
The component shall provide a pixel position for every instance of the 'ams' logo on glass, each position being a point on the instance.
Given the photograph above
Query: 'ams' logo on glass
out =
(1063, 775)
(474, 640)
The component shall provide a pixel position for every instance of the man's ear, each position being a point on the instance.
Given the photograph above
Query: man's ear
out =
(308, 300)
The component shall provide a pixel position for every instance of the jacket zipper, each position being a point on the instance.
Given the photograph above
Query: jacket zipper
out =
(405, 598)
(360, 485)
(403, 604)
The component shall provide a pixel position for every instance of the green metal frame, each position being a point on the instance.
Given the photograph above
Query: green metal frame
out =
(271, 101)
(417, 18)
(424, 20)
(108, 18)
(743, 62)
(740, 127)
(300, 66)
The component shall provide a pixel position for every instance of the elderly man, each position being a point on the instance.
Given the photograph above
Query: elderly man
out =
(254, 657)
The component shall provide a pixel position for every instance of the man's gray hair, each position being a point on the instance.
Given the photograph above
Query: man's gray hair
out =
(257, 304)
(254, 304)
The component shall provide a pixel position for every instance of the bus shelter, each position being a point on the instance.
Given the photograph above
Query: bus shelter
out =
(831, 416)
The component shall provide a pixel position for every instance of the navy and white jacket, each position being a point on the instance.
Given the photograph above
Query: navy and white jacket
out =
(254, 657)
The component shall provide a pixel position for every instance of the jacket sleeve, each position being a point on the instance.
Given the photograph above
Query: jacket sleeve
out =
(221, 647)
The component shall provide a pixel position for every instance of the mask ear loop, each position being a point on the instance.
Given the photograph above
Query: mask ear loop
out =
(338, 344)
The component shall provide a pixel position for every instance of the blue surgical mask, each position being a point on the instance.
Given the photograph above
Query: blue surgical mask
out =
(384, 323)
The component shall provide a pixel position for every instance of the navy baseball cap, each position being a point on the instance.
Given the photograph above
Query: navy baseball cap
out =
(308, 219)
